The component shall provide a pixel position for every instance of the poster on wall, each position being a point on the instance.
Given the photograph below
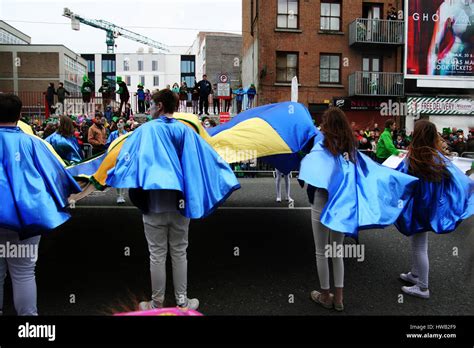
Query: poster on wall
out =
(440, 38)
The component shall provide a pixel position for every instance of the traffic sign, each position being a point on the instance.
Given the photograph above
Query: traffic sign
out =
(224, 78)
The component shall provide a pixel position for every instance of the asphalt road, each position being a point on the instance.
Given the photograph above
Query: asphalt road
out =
(85, 261)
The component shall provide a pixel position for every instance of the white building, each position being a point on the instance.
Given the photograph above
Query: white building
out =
(153, 70)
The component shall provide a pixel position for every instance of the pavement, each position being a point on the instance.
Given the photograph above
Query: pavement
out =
(251, 257)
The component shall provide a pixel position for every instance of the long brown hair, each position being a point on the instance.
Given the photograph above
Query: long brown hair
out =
(425, 160)
(338, 134)
(66, 126)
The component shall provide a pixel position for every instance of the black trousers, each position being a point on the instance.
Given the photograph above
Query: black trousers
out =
(204, 103)
(141, 106)
(217, 106)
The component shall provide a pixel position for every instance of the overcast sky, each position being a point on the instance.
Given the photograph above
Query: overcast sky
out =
(197, 15)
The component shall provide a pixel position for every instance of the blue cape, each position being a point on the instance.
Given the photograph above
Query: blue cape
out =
(67, 148)
(112, 136)
(164, 154)
(437, 207)
(290, 122)
(34, 186)
(361, 196)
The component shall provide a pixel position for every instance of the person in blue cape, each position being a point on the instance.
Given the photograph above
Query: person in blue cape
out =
(112, 137)
(64, 142)
(348, 193)
(117, 133)
(173, 175)
(34, 189)
(443, 198)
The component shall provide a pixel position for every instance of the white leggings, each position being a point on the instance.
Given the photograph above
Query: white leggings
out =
(22, 274)
(323, 237)
(278, 184)
(421, 262)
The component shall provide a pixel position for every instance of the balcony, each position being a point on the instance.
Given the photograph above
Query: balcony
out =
(377, 84)
(376, 32)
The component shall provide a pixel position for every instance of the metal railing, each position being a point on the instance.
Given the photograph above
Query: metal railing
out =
(376, 31)
(365, 83)
(34, 103)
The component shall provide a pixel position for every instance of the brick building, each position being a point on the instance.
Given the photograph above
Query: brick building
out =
(344, 52)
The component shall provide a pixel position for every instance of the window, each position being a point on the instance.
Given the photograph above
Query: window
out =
(287, 66)
(142, 80)
(154, 66)
(156, 80)
(128, 80)
(140, 65)
(330, 15)
(330, 68)
(187, 67)
(108, 63)
(287, 14)
(126, 64)
(91, 66)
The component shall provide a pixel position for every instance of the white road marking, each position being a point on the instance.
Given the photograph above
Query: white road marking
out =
(222, 208)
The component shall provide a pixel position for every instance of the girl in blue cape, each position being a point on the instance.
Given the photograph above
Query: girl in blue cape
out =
(443, 198)
(64, 142)
(173, 175)
(34, 191)
(348, 193)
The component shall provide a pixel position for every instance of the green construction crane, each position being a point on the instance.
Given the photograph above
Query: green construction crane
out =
(113, 31)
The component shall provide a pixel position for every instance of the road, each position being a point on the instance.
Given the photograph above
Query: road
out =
(252, 257)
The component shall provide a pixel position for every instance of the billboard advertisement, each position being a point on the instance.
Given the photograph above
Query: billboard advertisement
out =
(440, 39)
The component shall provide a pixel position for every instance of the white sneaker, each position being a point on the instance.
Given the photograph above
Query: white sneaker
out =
(409, 277)
(416, 291)
(289, 199)
(149, 305)
(193, 304)
(278, 200)
(120, 200)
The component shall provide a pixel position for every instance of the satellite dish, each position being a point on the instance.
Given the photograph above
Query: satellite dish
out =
(116, 33)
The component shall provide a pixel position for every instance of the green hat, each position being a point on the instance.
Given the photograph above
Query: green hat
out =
(115, 119)
(140, 85)
(85, 78)
(119, 78)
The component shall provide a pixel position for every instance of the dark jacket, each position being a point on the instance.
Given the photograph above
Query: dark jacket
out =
(205, 88)
(61, 92)
(50, 92)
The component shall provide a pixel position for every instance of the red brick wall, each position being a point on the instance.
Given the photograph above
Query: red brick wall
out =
(310, 44)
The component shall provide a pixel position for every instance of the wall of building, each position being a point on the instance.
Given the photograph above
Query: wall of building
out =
(30, 68)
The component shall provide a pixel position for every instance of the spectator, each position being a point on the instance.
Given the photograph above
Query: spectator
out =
(205, 89)
(195, 99)
(62, 92)
(123, 93)
(251, 93)
(141, 98)
(216, 101)
(400, 143)
(86, 89)
(385, 147)
(175, 88)
(183, 96)
(147, 99)
(50, 92)
(239, 98)
(107, 94)
(228, 102)
(97, 136)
